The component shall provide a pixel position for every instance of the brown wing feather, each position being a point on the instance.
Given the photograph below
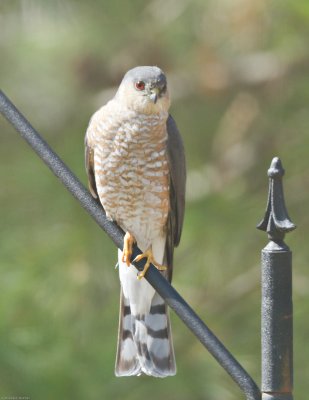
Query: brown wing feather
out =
(177, 164)
(89, 164)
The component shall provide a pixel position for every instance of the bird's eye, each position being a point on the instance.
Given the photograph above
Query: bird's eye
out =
(163, 90)
(140, 85)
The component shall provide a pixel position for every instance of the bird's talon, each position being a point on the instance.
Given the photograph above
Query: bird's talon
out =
(150, 260)
(140, 275)
(139, 257)
(128, 242)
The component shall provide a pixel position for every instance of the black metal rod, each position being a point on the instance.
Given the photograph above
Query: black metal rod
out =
(277, 308)
(153, 276)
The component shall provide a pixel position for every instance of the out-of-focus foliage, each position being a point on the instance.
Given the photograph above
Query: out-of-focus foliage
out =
(238, 72)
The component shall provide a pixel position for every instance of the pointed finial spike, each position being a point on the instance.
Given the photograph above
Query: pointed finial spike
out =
(276, 169)
(276, 221)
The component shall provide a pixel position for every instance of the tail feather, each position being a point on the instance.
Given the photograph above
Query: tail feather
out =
(145, 341)
(127, 363)
(159, 339)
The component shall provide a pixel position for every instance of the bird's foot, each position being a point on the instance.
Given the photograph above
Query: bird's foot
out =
(128, 242)
(150, 260)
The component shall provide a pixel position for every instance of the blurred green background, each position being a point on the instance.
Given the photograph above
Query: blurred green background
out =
(238, 74)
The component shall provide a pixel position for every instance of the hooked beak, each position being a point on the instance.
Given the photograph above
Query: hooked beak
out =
(154, 94)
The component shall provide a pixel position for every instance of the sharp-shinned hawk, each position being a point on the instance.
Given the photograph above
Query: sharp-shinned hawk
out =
(136, 167)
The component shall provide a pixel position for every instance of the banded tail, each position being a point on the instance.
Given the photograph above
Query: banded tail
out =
(145, 341)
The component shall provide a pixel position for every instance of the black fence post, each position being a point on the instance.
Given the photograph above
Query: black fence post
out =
(277, 309)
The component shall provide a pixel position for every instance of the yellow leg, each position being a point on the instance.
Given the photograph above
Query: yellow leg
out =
(150, 260)
(128, 242)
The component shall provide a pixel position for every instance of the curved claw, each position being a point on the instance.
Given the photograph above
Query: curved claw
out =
(150, 260)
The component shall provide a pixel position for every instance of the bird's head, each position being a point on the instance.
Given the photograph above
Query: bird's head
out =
(144, 89)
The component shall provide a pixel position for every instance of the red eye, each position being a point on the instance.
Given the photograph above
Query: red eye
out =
(140, 85)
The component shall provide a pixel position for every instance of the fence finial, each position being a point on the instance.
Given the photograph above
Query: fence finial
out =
(276, 221)
(277, 306)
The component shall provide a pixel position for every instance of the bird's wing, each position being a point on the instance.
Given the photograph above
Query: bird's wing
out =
(89, 164)
(177, 165)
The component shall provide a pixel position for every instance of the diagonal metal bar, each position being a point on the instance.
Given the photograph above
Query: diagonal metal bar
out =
(153, 276)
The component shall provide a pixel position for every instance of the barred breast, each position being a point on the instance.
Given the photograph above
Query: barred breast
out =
(131, 170)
